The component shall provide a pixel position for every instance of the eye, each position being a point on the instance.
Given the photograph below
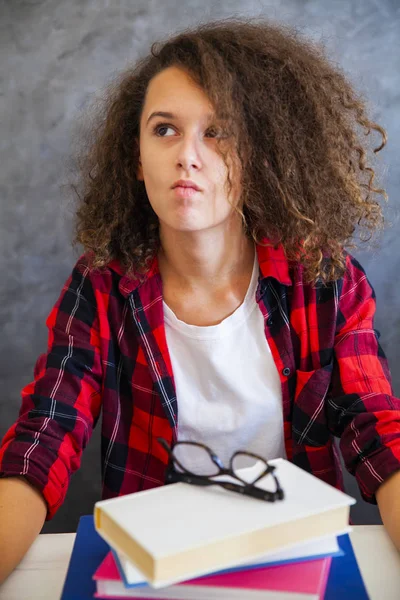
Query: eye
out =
(214, 132)
(160, 127)
(218, 132)
(211, 131)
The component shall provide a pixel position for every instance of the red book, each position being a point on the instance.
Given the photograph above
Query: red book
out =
(294, 581)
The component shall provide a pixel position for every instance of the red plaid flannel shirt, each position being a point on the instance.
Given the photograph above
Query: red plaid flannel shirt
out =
(107, 350)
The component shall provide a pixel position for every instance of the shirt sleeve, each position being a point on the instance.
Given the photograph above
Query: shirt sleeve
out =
(60, 407)
(361, 407)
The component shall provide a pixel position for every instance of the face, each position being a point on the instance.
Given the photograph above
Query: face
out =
(183, 145)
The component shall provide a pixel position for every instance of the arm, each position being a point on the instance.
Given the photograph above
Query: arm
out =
(361, 408)
(22, 514)
(388, 495)
(58, 412)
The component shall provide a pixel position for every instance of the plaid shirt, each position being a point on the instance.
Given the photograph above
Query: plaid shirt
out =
(107, 350)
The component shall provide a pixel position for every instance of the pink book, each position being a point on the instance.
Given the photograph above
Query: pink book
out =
(294, 581)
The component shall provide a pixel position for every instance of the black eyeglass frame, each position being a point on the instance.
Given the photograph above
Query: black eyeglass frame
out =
(247, 489)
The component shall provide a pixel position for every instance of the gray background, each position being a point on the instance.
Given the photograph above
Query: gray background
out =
(54, 57)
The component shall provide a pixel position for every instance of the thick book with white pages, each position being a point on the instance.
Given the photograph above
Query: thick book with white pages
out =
(303, 552)
(180, 531)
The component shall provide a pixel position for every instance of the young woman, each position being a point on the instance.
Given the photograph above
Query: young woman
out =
(215, 300)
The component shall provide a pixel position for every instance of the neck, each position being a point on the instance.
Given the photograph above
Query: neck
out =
(206, 259)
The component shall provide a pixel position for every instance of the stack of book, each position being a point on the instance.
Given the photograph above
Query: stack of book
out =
(183, 541)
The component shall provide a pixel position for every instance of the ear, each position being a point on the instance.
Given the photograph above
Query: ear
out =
(139, 171)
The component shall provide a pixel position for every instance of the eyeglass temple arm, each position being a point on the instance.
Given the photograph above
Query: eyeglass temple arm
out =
(279, 490)
(250, 490)
(233, 487)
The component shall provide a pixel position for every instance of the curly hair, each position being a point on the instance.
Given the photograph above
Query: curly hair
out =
(294, 122)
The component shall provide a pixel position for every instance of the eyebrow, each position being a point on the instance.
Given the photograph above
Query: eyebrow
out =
(169, 115)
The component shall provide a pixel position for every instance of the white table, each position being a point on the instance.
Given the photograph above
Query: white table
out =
(41, 574)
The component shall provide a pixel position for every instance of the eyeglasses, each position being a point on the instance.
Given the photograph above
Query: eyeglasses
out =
(183, 451)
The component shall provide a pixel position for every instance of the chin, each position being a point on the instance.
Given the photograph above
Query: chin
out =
(189, 228)
(186, 225)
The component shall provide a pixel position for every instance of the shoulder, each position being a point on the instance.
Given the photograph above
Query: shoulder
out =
(84, 265)
(351, 294)
(87, 282)
(355, 280)
(109, 280)
(356, 298)
(354, 274)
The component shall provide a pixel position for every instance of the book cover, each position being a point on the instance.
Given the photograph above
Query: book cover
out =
(88, 551)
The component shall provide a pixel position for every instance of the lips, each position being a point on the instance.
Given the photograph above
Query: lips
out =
(185, 192)
(186, 184)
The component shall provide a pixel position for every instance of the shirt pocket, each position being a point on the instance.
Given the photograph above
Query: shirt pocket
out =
(309, 423)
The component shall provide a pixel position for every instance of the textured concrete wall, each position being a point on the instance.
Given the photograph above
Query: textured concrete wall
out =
(54, 56)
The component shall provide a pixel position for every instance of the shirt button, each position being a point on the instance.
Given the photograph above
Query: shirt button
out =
(270, 321)
(286, 371)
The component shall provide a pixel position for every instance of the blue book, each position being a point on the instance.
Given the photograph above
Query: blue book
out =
(344, 582)
(87, 553)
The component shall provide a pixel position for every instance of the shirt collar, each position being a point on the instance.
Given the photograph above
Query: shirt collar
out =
(272, 262)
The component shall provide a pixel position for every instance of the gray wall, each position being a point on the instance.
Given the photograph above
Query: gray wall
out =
(54, 56)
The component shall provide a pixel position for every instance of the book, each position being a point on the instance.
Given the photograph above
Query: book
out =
(344, 579)
(319, 548)
(180, 531)
(88, 551)
(295, 581)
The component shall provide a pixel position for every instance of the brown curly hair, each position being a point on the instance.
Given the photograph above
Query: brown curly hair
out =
(295, 122)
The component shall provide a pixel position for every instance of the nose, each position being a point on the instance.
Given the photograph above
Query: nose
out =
(188, 155)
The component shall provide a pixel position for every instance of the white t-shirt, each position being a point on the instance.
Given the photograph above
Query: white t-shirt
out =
(228, 387)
